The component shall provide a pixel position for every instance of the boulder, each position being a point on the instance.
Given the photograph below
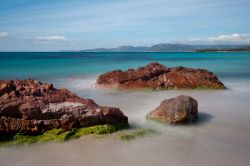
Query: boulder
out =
(182, 109)
(32, 106)
(157, 76)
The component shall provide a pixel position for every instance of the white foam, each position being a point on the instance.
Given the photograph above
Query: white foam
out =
(87, 82)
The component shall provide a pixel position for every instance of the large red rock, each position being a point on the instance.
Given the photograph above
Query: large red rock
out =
(182, 109)
(157, 76)
(31, 106)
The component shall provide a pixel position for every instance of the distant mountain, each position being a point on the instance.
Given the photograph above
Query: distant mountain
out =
(97, 50)
(168, 47)
(118, 49)
(200, 47)
(162, 47)
(228, 49)
(129, 49)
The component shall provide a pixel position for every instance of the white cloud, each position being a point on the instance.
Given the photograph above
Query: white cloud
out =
(52, 38)
(4, 34)
(225, 39)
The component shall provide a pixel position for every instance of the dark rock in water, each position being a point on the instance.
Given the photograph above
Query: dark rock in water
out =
(157, 76)
(182, 109)
(31, 106)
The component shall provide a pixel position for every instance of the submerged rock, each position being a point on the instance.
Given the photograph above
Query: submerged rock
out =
(157, 76)
(32, 106)
(182, 109)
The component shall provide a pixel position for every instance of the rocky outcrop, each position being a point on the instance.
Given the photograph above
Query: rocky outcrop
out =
(157, 76)
(31, 106)
(182, 109)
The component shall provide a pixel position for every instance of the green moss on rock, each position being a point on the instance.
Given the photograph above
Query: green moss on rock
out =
(58, 135)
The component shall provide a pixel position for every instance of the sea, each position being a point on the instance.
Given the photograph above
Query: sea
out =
(220, 137)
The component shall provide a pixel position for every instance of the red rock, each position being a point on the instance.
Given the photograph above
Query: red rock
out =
(181, 109)
(157, 76)
(31, 106)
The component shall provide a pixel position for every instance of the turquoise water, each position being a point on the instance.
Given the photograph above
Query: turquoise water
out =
(41, 65)
(220, 137)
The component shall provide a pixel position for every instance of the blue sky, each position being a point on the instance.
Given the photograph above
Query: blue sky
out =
(50, 25)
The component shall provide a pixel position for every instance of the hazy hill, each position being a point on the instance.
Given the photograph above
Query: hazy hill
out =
(162, 47)
(168, 47)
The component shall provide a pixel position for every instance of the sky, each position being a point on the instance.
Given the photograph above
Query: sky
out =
(52, 25)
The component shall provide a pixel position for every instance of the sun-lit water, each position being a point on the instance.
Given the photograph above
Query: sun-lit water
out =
(221, 137)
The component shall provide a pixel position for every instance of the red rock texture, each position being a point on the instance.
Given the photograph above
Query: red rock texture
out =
(157, 76)
(31, 106)
(182, 109)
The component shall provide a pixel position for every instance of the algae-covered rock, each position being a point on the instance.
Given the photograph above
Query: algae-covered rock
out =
(29, 106)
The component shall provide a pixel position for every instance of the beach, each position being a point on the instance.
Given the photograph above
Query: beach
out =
(220, 137)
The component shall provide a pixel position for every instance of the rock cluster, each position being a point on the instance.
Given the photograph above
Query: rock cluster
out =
(32, 106)
(157, 76)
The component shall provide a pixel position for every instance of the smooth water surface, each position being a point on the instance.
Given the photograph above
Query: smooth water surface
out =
(65, 64)
(221, 136)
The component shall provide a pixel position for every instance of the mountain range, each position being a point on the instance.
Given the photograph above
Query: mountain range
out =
(168, 47)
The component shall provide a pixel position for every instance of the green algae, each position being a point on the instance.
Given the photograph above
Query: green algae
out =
(136, 134)
(58, 135)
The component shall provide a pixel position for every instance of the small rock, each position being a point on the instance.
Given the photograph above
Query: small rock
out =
(182, 109)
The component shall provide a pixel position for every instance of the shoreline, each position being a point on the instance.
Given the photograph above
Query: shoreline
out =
(220, 133)
(220, 137)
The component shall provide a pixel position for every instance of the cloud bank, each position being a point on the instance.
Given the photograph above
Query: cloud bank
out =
(225, 39)
(52, 38)
(4, 34)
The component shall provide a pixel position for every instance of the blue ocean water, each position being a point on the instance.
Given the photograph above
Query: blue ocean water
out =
(221, 136)
(47, 65)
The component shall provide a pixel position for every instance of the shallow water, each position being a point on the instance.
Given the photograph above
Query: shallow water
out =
(220, 137)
